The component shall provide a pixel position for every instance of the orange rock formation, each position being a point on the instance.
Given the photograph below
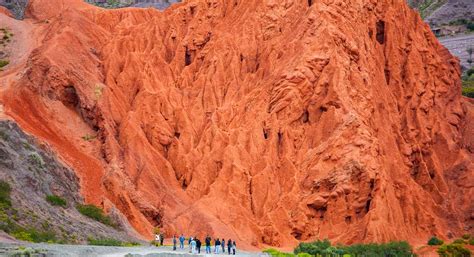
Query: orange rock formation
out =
(268, 121)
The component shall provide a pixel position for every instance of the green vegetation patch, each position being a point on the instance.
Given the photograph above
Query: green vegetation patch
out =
(276, 253)
(8, 217)
(429, 6)
(5, 189)
(56, 200)
(468, 23)
(4, 135)
(4, 63)
(34, 235)
(468, 79)
(95, 213)
(324, 248)
(453, 250)
(110, 242)
(435, 241)
(88, 137)
(36, 160)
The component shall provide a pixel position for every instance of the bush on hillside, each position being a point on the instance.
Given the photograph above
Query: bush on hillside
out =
(470, 72)
(56, 200)
(5, 190)
(95, 213)
(468, 92)
(313, 248)
(33, 235)
(435, 241)
(453, 250)
(3, 63)
(324, 249)
(398, 249)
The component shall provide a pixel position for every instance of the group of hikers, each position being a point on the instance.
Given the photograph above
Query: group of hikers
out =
(195, 244)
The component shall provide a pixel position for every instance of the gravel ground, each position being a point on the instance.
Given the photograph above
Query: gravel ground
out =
(458, 46)
(54, 250)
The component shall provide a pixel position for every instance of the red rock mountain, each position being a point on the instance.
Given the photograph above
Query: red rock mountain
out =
(268, 121)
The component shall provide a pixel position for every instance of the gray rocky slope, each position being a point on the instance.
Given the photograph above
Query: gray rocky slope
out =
(33, 172)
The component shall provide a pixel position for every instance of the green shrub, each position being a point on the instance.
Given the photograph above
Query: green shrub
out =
(324, 248)
(88, 137)
(313, 248)
(56, 200)
(276, 253)
(459, 241)
(36, 160)
(3, 63)
(466, 236)
(435, 241)
(469, 72)
(110, 242)
(468, 92)
(4, 135)
(453, 250)
(471, 241)
(470, 26)
(5, 190)
(23, 236)
(95, 213)
(304, 255)
(33, 235)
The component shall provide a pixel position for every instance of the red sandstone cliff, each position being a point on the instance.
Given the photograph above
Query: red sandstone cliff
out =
(265, 121)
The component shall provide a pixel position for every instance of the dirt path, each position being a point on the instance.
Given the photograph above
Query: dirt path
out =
(51, 250)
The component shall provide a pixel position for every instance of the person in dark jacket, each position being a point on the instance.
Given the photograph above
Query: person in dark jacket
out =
(223, 245)
(198, 245)
(175, 241)
(162, 239)
(229, 246)
(208, 244)
(217, 245)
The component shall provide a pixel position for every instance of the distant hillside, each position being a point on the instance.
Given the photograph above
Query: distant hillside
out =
(160, 4)
(426, 7)
(444, 12)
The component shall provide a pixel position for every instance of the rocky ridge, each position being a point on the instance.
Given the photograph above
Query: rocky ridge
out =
(269, 122)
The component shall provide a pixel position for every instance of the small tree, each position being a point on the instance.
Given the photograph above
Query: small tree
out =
(470, 50)
(435, 241)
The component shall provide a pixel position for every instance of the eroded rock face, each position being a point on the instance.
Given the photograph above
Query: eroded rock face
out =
(265, 121)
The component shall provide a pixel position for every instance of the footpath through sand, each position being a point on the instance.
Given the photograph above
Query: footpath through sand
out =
(53, 250)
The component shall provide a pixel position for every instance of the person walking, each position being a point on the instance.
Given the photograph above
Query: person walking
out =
(223, 245)
(198, 245)
(208, 244)
(181, 241)
(162, 239)
(217, 245)
(175, 241)
(157, 239)
(189, 243)
(234, 247)
(229, 246)
(193, 246)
